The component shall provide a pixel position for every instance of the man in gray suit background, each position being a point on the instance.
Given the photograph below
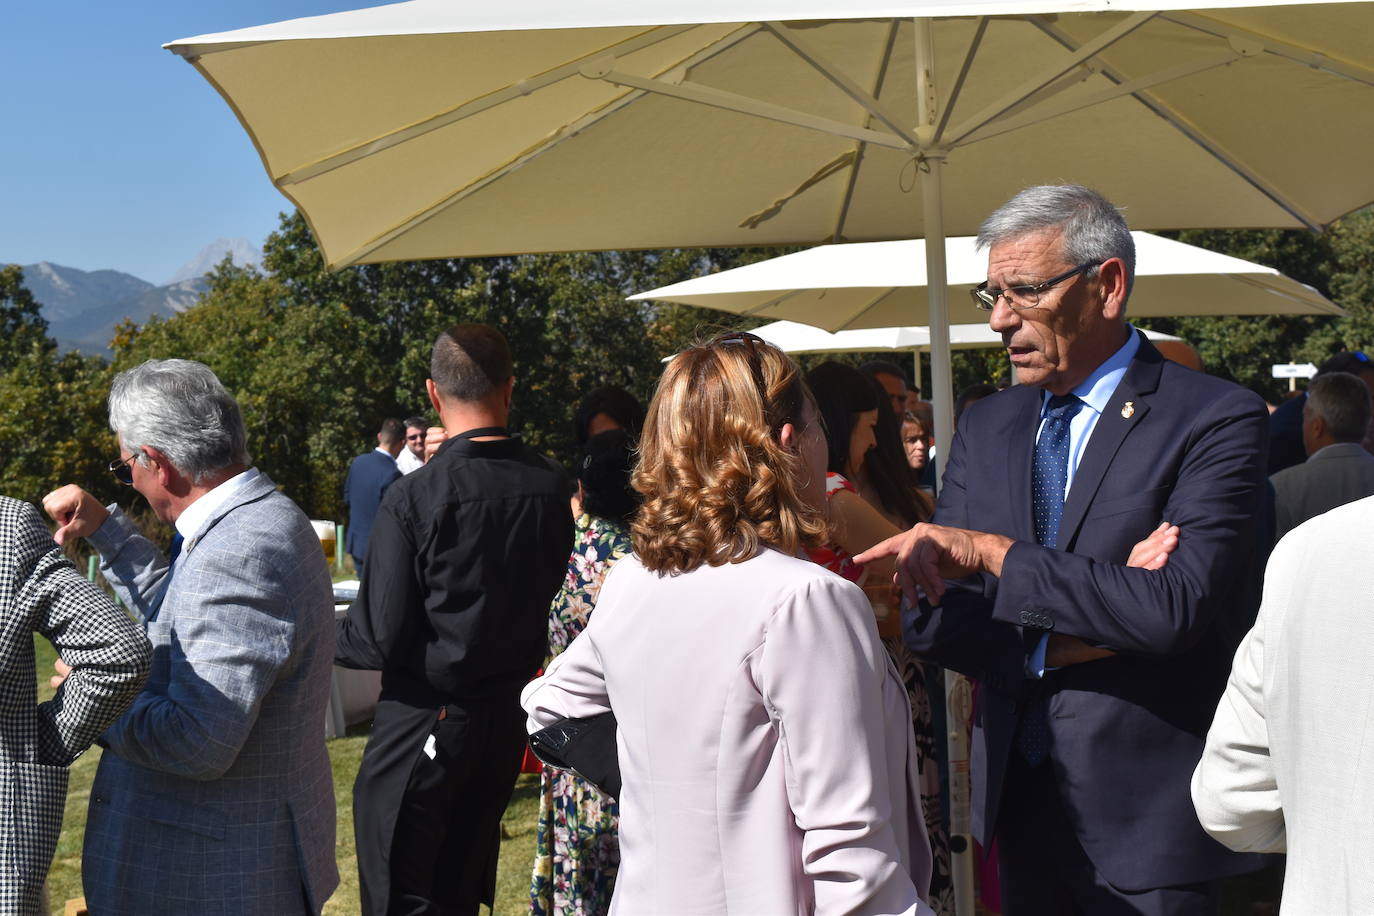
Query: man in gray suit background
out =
(215, 793)
(1338, 470)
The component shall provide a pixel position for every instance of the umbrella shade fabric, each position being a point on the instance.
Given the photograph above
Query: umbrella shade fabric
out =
(883, 284)
(434, 129)
(791, 337)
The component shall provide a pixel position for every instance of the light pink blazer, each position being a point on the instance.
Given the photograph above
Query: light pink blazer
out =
(765, 741)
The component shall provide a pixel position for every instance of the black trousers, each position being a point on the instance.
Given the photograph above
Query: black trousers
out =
(448, 828)
(1045, 872)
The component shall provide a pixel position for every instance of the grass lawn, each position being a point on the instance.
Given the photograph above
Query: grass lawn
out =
(517, 835)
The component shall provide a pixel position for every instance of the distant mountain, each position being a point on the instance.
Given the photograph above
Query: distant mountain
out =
(241, 250)
(83, 307)
(66, 292)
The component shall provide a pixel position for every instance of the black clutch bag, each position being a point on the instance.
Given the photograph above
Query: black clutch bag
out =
(586, 747)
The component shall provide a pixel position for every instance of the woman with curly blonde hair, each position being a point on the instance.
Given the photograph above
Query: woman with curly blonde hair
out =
(763, 739)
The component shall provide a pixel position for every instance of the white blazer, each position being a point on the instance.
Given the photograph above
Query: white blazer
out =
(765, 741)
(1289, 761)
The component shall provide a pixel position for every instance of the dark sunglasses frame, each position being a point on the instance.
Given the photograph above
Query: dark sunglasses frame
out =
(123, 471)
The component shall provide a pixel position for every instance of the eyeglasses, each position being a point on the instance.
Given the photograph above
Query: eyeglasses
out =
(1021, 297)
(418, 437)
(123, 471)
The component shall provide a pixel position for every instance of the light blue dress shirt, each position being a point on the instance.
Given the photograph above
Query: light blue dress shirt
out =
(1096, 393)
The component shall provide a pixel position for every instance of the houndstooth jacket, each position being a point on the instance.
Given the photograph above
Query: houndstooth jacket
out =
(41, 591)
(215, 794)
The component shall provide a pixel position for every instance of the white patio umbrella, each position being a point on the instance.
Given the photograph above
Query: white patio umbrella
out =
(794, 337)
(435, 129)
(882, 284)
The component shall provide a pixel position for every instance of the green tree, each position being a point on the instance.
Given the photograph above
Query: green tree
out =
(318, 359)
(23, 329)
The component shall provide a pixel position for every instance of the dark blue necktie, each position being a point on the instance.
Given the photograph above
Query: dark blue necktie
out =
(172, 555)
(177, 541)
(1049, 474)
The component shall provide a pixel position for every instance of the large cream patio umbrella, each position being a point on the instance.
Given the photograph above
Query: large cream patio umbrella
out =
(436, 128)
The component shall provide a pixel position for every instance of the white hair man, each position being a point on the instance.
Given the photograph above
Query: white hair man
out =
(215, 790)
(1096, 674)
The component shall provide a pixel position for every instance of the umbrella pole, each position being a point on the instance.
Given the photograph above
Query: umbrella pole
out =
(957, 690)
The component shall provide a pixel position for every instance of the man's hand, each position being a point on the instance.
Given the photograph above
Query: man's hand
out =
(1064, 650)
(929, 554)
(77, 513)
(435, 436)
(63, 669)
(1153, 552)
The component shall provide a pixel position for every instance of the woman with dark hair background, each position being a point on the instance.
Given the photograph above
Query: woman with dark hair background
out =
(576, 849)
(854, 408)
(885, 478)
(606, 408)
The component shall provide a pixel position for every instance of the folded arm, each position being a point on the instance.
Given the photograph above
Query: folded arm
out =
(1147, 610)
(106, 651)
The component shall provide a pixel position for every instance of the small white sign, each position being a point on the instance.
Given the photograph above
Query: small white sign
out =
(1294, 370)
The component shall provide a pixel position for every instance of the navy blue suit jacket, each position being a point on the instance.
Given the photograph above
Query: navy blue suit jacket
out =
(1172, 445)
(368, 477)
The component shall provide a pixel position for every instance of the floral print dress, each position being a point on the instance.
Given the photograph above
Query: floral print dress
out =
(577, 851)
(836, 559)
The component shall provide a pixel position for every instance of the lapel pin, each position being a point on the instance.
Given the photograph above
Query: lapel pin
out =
(1128, 410)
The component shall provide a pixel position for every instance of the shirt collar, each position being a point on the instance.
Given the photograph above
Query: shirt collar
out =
(385, 452)
(195, 516)
(1097, 389)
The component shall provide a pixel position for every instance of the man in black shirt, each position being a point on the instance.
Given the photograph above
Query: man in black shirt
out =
(464, 559)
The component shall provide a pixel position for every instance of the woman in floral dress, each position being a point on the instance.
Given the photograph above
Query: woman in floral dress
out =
(577, 852)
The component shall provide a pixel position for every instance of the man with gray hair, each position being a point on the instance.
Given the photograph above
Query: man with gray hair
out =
(1338, 470)
(1099, 663)
(214, 792)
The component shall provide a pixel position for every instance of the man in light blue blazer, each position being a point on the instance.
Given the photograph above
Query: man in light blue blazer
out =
(214, 794)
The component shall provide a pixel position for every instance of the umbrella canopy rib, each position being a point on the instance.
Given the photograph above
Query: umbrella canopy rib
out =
(952, 98)
(1045, 113)
(858, 314)
(1305, 56)
(743, 104)
(1194, 134)
(804, 49)
(1078, 56)
(475, 106)
(852, 178)
(540, 148)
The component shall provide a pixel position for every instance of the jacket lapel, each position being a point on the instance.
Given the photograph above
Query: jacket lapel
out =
(1116, 422)
(1020, 448)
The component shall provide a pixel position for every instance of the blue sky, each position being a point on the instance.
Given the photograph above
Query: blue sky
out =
(116, 153)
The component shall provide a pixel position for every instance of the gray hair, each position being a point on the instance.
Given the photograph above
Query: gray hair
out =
(179, 407)
(1094, 230)
(1343, 401)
